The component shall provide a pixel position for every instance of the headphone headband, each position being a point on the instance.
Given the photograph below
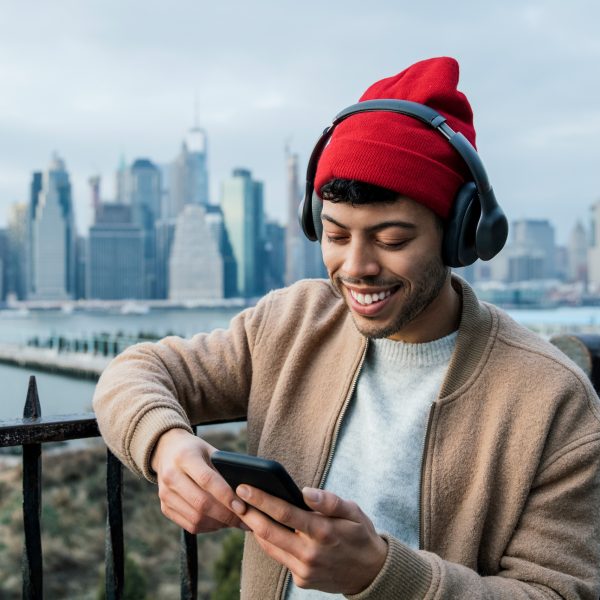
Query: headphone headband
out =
(492, 229)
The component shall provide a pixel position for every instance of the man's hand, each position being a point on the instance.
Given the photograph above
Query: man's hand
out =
(334, 549)
(191, 492)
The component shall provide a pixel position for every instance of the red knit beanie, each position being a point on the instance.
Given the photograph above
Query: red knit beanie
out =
(398, 152)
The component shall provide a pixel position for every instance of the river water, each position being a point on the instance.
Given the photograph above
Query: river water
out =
(63, 395)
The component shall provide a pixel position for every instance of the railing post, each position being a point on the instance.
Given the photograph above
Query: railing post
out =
(115, 554)
(32, 504)
(189, 562)
(189, 566)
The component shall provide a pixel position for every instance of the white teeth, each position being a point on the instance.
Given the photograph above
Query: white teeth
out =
(367, 299)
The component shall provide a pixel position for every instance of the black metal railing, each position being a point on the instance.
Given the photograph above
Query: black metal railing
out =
(33, 431)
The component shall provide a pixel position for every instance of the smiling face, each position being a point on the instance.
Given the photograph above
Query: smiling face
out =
(385, 259)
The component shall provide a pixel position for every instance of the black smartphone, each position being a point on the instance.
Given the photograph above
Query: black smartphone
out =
(262, 473)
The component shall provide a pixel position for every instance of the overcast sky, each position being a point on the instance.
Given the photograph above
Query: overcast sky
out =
(98, 80)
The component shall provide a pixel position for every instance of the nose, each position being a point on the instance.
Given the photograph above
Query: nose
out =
(360, 260)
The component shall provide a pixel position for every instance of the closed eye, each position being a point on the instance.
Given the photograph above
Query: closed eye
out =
(392, 245)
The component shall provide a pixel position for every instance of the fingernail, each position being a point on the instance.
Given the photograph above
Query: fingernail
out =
(312, 494)
(243, 491)
(238, 507)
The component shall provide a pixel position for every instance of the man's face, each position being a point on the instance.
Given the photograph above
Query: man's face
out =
(385, 259)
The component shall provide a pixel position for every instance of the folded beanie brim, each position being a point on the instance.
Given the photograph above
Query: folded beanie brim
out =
(409, 173)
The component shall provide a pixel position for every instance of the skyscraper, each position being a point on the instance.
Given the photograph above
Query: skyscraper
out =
(165, 232)
(115, 269)
(196, 264)
(303, 257)
(242, 205)
(216, 224)
(594, 249)
(531, 252)
(143, 195)
(294, 247)
(577, 254)
(17, 246)
(275, 255)
(189, 174)
(52, 234)
(4, 261)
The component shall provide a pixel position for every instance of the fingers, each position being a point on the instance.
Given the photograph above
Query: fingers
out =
(267, 530)
(192, 493)
(330, 505)
(207, 478)
(194, 526)
(196, 519)
(279, 510)
(184, 496)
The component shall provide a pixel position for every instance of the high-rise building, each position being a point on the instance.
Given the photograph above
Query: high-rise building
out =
(52, 234)
(189, 174)
(165, 232)
(242, 205)
(295, 240)
(144, 196)
(303, 257)
(196, 264)
(577, 254)
(4, 261)
(275, 255)
(594, 247)
(17, 249)
(530, 253)
(216, 224)
(115, 269)
(81, 260)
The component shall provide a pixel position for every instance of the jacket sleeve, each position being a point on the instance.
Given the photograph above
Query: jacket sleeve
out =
(554, 553)
(153, 387)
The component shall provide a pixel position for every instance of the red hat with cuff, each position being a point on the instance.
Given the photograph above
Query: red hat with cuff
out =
(398, 152)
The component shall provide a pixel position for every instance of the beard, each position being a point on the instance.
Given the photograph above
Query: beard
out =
(424, 291)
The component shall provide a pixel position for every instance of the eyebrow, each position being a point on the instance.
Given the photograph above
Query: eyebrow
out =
(373, 228)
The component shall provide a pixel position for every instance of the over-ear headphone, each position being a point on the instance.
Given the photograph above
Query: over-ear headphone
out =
(476, 227)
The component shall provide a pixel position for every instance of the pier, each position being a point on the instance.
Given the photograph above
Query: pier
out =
(82, 365)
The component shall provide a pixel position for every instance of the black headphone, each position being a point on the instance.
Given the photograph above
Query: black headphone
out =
(476, 227)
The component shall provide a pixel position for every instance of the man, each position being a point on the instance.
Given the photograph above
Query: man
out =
(446, 452)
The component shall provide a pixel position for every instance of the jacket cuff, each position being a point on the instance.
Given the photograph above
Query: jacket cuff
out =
(145, 436)
(405, 574)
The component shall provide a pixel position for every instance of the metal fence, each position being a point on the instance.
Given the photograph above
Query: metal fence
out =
(33, 431)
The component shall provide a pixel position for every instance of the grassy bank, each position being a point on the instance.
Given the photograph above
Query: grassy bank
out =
(73, 522)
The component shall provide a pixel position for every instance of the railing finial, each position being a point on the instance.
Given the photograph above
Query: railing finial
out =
(32, 409)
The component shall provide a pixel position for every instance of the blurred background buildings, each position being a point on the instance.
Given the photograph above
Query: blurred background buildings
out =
(160, 238)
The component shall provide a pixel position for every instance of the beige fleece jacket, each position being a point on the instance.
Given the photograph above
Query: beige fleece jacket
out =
(510, 492)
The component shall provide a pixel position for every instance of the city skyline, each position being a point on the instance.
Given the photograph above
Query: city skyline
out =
(98, 82)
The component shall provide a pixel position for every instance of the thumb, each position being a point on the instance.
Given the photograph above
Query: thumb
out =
(330, 505)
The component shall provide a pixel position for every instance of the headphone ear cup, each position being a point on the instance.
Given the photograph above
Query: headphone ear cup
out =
(459, 244)
(316, 210)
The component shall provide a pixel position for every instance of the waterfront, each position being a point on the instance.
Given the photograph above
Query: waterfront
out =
(63, 395)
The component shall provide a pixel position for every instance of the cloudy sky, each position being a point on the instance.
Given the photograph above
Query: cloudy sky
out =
(97, 80)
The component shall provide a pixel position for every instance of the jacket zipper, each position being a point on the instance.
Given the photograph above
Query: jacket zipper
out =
(422, 477)
(336, 432)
